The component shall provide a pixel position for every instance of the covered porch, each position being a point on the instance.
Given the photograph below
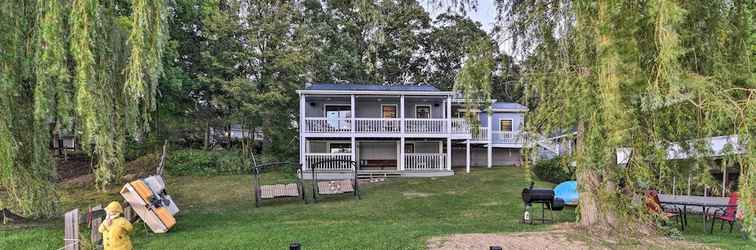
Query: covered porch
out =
(398, 156)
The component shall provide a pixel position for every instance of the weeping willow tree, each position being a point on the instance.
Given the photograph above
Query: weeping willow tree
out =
(66, 65)
(639, 75)
(474, 79)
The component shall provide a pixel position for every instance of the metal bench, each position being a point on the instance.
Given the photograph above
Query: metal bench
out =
(281, 190)
(334, 186)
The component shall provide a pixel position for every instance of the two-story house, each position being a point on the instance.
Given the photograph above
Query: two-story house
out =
(403, 130)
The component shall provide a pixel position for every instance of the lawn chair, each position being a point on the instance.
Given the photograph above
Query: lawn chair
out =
(332, 186)
(653, 204)
(275, 191)
(727, 214)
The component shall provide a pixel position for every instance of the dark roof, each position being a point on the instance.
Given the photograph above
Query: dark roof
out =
(371, 87)
(507, 105)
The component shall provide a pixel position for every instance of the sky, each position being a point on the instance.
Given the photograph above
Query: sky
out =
(485, 13)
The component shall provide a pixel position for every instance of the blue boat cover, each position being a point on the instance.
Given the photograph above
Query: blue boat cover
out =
(567, 191)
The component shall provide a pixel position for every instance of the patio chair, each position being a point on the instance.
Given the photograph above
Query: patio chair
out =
(280, 190)
(653, 204)
(728, 213)
(339, 182)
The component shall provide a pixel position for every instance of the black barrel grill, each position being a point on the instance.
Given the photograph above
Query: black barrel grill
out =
(543, 196)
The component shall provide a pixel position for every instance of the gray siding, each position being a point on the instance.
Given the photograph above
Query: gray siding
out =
(377, 150)
(426, 147)
(517, 120)
(372, 108)
(478, 157)
(437, 109)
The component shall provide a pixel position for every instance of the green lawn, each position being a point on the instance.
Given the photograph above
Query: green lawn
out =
(219, 213)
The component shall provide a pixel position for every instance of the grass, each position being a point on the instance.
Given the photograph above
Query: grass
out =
(218, 213)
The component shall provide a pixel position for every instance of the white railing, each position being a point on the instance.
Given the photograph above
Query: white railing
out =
(378, 125)
(313, 158)
(500, 137)
(424, 161)
(460, 126)
(424, 126)
(327, 125)
(482, 134)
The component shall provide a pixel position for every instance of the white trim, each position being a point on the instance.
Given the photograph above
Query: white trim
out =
(396, 110)
(510, 110)
(511, 121)
(376, 92)
(430, 110)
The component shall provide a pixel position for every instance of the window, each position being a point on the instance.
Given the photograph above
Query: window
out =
(505, 125)
(389, 111)
(423, 111)
(409, 148)
(336, 148)
(336, 116)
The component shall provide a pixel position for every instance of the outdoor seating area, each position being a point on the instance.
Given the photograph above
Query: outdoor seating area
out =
(711, 209)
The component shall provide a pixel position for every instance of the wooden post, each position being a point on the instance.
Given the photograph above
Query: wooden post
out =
(95, 236)
(302, 129)
(448, 153)
(401, 153)
(161, 165)
(71, 232)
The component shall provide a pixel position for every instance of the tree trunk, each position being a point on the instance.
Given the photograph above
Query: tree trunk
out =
(206, 143)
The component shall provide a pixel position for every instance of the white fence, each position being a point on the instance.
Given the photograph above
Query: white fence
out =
(424, 161)
(378, 125)
(313, 158)
(425, 126)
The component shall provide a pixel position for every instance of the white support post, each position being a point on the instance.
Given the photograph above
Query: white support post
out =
(398, 155)
(354, 150)
(401, 153)
(302, 127)
(352, 114)
(448, 115)
(440, 151)
(724, 178)
(401, 115)
(467, 157)
(448, 153)
(489, 133)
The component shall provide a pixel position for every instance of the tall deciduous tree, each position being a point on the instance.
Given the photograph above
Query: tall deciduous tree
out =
(639, 75)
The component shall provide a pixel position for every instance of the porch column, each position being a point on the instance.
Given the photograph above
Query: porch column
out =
(467, 158)
(354, 148)
(448, 153)
(440, 151)
(302, 128)
(401, 153)
(489, 133)
(448, 116)
(401, 116)
(724, 177)
(352, 115)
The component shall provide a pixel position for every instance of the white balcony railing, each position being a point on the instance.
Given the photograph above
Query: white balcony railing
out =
(482, 134)
(425, 126)
(313, 158)
(501, 137)
(327, 125)
(378, 125)
(424, 161)
(460, 126)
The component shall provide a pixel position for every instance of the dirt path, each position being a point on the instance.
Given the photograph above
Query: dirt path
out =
(558, 239)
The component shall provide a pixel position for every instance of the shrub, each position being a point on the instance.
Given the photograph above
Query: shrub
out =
(553, 170)
(203, 163)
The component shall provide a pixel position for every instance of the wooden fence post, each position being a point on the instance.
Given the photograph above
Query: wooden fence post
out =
(95, 236)
(71, 238)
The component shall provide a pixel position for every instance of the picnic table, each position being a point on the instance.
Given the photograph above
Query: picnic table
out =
(706, 206)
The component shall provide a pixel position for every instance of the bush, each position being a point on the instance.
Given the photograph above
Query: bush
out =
(203, 163)
(553, 170)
